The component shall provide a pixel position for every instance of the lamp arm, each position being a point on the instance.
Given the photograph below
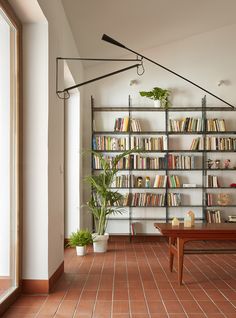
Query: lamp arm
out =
(98, 78)
(114, 42)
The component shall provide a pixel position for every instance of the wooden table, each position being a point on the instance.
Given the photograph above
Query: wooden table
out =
(179, 235)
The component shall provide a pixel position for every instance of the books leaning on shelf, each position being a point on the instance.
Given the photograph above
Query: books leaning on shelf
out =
(213, 216)
(197, 144)
(125, 124)
(212, 181)
(187, 124)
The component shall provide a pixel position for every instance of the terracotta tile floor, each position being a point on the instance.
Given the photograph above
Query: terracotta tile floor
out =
(133, 280)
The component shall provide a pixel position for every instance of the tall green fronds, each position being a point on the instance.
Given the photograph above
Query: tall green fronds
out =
(104, 201)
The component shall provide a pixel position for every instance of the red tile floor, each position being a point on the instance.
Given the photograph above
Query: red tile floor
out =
(133, 280)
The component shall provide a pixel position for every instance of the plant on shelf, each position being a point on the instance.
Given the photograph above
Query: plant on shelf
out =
(104, 201)
(158, 94)
(80, 239)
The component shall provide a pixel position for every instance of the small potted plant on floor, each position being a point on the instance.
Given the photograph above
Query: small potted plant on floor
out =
(104, 200)
(80, 239)
(159, 95)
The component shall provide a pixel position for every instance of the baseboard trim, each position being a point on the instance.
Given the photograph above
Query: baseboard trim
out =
(37, 286)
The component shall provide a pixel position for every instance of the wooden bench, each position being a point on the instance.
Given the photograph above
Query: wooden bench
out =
(179, 235)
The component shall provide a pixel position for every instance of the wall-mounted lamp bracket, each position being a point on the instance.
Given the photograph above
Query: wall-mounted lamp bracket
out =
(110, 40)
(64, 94)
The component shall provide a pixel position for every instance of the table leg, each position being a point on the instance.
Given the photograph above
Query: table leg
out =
(171, 253)
(180, 259)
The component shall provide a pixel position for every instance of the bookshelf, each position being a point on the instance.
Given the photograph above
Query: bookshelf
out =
(167, 139)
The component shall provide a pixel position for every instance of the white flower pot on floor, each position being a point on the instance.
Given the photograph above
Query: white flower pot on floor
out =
(100, 243)
(80, 250)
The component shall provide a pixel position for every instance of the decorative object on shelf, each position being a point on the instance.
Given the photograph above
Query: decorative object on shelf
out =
(192, 216)
(210, 163)
(140, 182)
(223, 199)
(158, 94)
(80, 239)
(175, 221)
(232, 218)
(189, 185)
(226, 163)
(217, 164)
(233, 185)
(103, 200)
(187, 221)
(147, 182)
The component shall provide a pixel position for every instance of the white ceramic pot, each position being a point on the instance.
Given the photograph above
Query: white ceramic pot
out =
(157, 103)
(80, 250)
(100, 243)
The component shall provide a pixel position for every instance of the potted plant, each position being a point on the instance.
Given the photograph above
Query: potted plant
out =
(158, 94)
(80, 239)
(104, 200)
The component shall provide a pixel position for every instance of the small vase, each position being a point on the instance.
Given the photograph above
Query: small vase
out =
(80, 250)
(157, 103)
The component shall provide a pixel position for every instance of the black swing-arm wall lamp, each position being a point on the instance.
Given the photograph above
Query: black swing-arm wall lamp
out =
(114, 42)
(64, 94)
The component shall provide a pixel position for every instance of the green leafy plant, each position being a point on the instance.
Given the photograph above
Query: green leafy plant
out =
(80, 238)
(160, 94)
(104, 200)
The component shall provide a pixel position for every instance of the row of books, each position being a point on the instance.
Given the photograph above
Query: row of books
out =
(171, 181)
(212, 181)
(110, 143)
(220, 143)
(187, 124)
(124, 181)
(148, 143)
(181, 161)
(215, 124)
(190, 124)
(127, 124)
(134, 162)
(152, 199)
(213, 216)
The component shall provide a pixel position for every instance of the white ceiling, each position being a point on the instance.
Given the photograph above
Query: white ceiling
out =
(141, 24)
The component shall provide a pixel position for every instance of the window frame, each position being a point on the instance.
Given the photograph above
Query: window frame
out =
(8, 10)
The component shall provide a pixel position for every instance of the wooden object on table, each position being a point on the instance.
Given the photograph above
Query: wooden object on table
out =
(178, 236)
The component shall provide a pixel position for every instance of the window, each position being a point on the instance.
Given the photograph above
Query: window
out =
(9, 153)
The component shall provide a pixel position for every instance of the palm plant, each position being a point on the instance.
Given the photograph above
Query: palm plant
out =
(104, 200)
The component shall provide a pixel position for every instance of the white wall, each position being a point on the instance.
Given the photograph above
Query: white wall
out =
(35, 151)
(43, 138)
(73, 217)
(204, 59)
(61, 43)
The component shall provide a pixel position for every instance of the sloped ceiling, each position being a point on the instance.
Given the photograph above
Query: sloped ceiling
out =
(141, 24)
